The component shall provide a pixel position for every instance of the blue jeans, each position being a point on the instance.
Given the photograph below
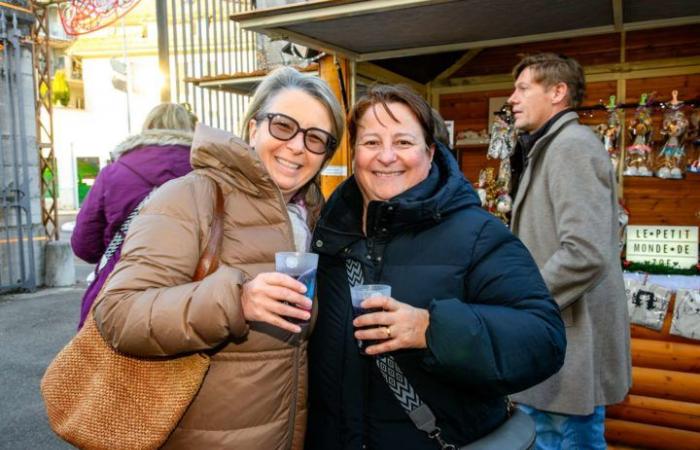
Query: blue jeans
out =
(568, 432)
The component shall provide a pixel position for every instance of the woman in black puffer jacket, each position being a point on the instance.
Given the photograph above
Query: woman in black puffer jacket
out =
(470, 319)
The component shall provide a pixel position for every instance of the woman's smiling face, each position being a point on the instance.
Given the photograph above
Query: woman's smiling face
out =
(391, 155)
(289, 163)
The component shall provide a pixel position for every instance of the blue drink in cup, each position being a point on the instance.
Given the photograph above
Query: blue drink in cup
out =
(357, 295)
(302, 267)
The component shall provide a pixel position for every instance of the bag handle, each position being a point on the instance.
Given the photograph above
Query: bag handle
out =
(209, 261)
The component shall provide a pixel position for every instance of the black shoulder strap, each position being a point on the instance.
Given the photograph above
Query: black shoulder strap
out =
(420, 414)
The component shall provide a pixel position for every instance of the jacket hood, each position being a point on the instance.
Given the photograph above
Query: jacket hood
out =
(152, 137)
(444, 191)
(231, 161)
(234, 164)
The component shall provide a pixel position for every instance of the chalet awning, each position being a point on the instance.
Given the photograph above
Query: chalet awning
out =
(380, 29)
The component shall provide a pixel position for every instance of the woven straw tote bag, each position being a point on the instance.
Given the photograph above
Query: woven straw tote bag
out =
(98, 398)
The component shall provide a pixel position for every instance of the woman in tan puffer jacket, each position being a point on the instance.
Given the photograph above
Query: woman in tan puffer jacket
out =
(254, 394)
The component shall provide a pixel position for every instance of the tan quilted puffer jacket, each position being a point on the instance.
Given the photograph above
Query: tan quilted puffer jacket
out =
(254, 394)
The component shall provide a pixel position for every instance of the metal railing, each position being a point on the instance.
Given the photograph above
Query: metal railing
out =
(204, 42)
(17, 265)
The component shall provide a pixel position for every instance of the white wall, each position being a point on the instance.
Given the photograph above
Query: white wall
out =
(95, 131)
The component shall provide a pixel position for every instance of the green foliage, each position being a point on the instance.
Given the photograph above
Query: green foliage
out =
(659, 269)
(60, 89)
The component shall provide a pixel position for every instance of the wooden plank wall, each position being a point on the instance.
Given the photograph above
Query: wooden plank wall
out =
(654, 200)
(663, 408)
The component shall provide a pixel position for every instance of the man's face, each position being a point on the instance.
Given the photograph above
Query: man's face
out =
(533, 103)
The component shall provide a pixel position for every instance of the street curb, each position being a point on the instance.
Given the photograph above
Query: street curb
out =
(41, 293)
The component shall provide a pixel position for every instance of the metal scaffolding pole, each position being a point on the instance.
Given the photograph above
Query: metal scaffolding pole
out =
(48, 175)
(163, 54)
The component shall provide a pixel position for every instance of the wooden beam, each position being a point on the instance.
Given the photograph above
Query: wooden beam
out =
(621, 93)
(369, 56)
(479, 79)
(433, 97)
(494, 86)
(661, 23)
(657, 411)
(286, 35)
(464, 59)
(337, 169)
(666, 355)
(377, 73)
(668, 384)
(650, 436)
(617, 15)
(603, 72)
(647, 73)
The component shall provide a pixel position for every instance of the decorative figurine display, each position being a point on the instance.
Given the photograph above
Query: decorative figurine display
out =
(486, 188)
(495, 193)
(503, 137)
(638, 157)
(609, 132)
(504, 202)
(694, 137)
(670, 158)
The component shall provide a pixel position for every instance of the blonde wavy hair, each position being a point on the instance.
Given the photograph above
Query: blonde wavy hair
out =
(169, 116)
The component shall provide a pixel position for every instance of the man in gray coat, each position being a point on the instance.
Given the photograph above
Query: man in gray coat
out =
(565, 212)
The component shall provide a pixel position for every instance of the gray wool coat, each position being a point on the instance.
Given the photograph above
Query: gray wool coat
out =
(565, 212)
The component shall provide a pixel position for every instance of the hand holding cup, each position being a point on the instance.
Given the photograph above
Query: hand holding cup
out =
(283, 298)
(274, 297)
(393, 326)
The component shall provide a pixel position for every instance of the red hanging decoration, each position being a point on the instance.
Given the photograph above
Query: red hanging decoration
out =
(85, 16)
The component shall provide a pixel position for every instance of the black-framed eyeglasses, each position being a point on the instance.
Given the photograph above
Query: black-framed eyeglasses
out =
(284, 128)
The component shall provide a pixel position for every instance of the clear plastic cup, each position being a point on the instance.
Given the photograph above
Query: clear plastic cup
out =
(302, 267)
(357, 295)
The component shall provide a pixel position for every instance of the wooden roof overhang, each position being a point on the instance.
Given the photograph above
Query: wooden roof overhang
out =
(452, 31)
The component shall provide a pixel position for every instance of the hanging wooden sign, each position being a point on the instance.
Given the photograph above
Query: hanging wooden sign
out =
(656, 244)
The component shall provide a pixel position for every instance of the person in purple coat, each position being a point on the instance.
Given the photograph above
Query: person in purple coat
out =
(160, 153)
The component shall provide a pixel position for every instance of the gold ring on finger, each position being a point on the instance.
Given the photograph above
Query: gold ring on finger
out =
(387, 330)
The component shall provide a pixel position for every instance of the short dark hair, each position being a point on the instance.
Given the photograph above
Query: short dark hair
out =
(550, 69)
(383, 94)
(442, 135)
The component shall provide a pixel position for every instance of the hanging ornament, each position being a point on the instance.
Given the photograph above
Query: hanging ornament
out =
(85, 16)
(504, 202)
(502, 140)
(637, 158)
(694, 137)
(670, 159)
(612, 133)
(494, 192)
(623, 219)
(485, 188)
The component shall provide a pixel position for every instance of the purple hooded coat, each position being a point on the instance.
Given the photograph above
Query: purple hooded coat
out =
(143, 162)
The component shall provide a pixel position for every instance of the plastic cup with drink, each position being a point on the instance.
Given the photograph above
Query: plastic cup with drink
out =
(357, 295)
(302, 267)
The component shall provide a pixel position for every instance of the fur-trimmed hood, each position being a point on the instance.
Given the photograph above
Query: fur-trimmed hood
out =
(152, 137)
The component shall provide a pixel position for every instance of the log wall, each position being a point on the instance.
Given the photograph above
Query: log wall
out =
(663, 408)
